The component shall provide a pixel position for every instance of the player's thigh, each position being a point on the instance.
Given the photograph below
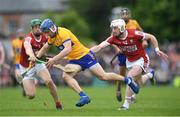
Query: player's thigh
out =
(97, 70)
(29, 86)
(138, 79)
(74, 68)
(44, 75)
(135, 71)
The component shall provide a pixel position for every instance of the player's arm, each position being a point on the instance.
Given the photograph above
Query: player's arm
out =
(43, 50)
(144, 42)
(152, 39)
(67, 49)
(100, 46)
(28, 49)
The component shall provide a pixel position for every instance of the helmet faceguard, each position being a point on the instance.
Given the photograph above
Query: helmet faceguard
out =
(120, 23)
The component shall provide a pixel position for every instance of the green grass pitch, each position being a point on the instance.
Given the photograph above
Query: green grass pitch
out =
(151, 101)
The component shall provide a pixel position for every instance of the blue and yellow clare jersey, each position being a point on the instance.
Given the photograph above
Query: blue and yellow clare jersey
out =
(64, 35)
(133, 24)
(16, 45)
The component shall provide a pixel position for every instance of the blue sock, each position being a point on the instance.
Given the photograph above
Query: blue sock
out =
(82, 94)
(127, 80)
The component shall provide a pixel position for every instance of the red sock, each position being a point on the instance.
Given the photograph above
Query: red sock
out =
(58, 103)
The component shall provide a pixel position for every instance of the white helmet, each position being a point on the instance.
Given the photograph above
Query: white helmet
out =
(120, 23)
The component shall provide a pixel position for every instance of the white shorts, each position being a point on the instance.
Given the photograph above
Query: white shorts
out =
(143, 62)
(31, 74)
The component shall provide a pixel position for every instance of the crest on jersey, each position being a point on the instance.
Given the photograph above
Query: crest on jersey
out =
(131, 40)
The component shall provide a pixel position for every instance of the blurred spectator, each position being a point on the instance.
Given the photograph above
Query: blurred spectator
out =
(16, 45)
(4, 68)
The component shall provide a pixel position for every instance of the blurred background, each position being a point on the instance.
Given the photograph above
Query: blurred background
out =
(89, 20)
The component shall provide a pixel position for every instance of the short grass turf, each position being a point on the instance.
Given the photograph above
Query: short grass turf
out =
(151, 101)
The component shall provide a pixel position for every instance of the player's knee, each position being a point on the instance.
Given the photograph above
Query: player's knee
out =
(30, 95)
(65, 77)
(49, 82)
(102, 77)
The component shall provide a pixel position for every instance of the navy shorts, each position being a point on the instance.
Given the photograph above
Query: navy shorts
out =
(17, 66)
(122, 60)
(86, 61)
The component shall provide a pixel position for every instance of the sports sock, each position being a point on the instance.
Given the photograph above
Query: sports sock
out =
(127, 80)
(58, 103)
(150, 75)
(127, 102)
(133, 96)
(81, 94)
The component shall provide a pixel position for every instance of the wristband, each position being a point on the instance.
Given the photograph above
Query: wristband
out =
(156, 49)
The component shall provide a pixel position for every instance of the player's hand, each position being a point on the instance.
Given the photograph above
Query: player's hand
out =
(32, 64)
(32, 59)
(50, 63)
(162, 55)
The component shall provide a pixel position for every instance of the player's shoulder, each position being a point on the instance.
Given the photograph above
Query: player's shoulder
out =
(110, 39)
(131, 31)
(14, 40)
(133, 21)
(63, 29)
(28, 37)
(134, 32)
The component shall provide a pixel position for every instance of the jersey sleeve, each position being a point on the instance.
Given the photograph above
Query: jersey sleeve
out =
(27, 40)
(139, 35)
(110, 40)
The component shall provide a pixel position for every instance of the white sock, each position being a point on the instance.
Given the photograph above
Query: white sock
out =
(150, 75)
(127, 102)
(133, 96)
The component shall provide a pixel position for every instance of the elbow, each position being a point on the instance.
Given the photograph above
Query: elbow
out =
(152, 37)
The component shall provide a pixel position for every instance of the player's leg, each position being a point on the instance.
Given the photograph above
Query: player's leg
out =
(102, 75)
(134, 73)
(149, 72)
(122, 71)
(68, 78)
(28, 82)
(149, 76)
(44, 74)
(18, 74)
(19, 78)
(29, 87)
